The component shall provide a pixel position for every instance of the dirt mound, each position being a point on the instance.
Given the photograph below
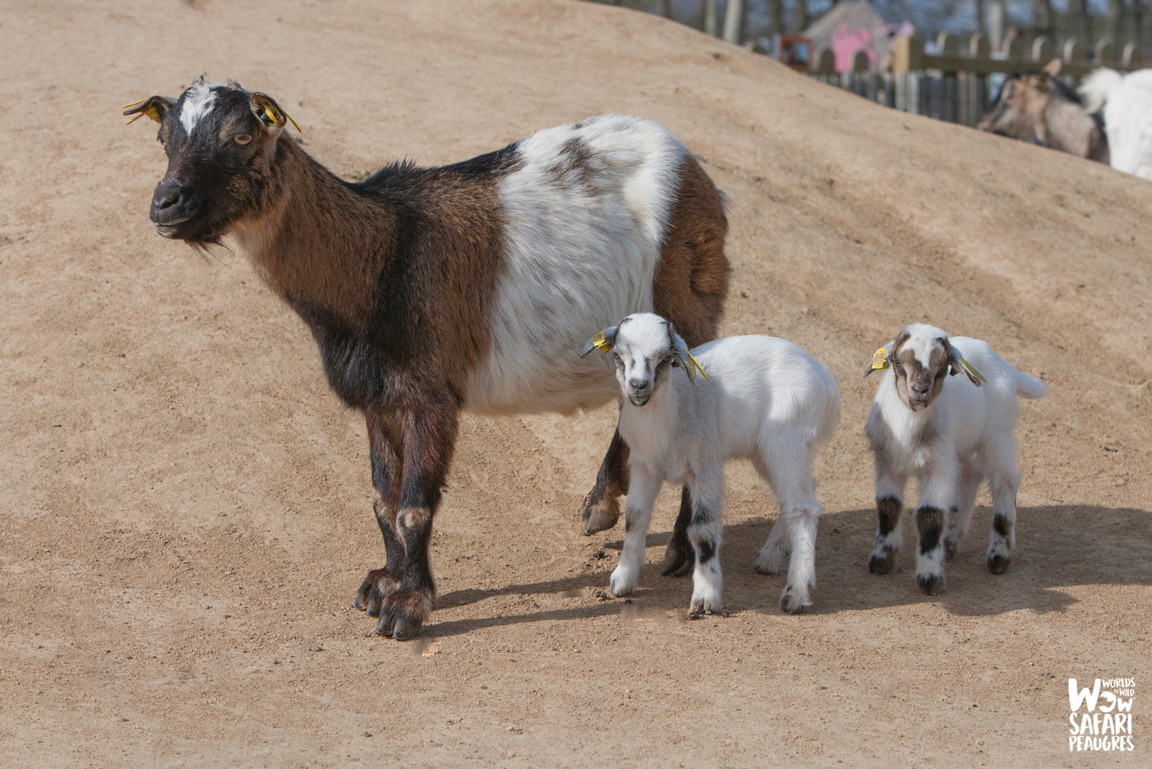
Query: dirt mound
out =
(185, 509)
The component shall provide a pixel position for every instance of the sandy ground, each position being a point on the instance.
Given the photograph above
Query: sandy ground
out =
(185, 509)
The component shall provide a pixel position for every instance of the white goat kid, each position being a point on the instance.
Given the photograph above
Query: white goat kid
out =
(951, 437)
(761, 398)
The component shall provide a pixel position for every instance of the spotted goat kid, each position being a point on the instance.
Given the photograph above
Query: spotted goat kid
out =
(759, 397)
(952, 435)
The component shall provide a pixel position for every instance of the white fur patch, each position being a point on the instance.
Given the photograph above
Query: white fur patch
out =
(923, 342)
(198, 102)
(585, 214)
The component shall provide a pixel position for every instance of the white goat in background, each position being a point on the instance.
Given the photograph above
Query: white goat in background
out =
(761, 398)
(1127, 103)
(951, 437)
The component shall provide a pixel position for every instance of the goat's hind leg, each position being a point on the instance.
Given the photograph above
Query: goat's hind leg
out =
(601, 507)
(705, 533)
(1003, 482)
(385, 498)
(678, 553)
(960, 514)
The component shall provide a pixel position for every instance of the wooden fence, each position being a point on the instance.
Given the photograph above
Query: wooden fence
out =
(953, 84)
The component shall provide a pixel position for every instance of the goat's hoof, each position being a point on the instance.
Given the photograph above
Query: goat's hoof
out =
(998, 564)
(676, 561)
(881, 563)
(950, 548)
(931, 584)
(378, 584)
(601, 516)
(792, 602)
(402, 614)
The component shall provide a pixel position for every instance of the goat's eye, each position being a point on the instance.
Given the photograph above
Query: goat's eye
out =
(242, 138)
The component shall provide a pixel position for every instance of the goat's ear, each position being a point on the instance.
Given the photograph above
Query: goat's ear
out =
(958, 365)
(602, 341)
(682, 358)
(1052, 68)
(154, 107)
(880, 359)
(268, 112)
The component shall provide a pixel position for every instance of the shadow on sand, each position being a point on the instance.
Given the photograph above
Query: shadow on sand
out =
(1058, 547)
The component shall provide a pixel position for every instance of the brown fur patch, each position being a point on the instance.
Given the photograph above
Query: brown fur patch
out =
(691, 282)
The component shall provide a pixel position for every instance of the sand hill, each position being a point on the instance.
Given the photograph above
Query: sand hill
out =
(185, 509)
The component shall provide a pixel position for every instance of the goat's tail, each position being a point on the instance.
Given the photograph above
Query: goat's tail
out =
(1030, 386)
(1099, 87)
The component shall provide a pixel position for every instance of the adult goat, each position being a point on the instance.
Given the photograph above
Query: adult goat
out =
(429, 291)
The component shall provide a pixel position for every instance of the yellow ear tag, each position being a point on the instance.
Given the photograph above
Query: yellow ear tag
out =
(880, 359)
(696, 363)
(272, 116)
(971, 371)
(151, 112)
(600, 343)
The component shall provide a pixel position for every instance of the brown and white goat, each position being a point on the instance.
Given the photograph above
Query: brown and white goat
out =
(470, 286)
(1036, 107)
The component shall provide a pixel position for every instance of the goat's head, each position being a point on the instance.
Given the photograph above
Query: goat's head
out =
(1018, 110)
(644, 348)
(221, 147)
(919, 358)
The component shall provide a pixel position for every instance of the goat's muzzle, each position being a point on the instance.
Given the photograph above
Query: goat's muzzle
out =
(172, 205)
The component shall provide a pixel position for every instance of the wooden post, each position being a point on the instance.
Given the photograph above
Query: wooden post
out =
(949, 45)
(1105, 53)
(1043, 50)
(1013, 49)
(1130, 60)
(1072, 51)
(973, 85)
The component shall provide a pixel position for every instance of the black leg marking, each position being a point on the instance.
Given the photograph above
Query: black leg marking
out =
(949, 543)
(889, 510)
(676, 556)
(930, 521)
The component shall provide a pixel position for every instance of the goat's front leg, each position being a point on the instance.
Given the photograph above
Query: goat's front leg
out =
(601, 508)
(890, 511)
(383, 445)
(429, 436)
(645, 487)
(937, 493)
(705, 534)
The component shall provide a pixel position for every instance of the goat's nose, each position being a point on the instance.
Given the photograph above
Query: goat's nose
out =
(166, 196)
(638, 384)
(170, 203)
(921, 387)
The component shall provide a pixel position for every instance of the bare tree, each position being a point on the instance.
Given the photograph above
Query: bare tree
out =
(799, 16)
(776, 13)
(1042, 17)
(734, 21)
